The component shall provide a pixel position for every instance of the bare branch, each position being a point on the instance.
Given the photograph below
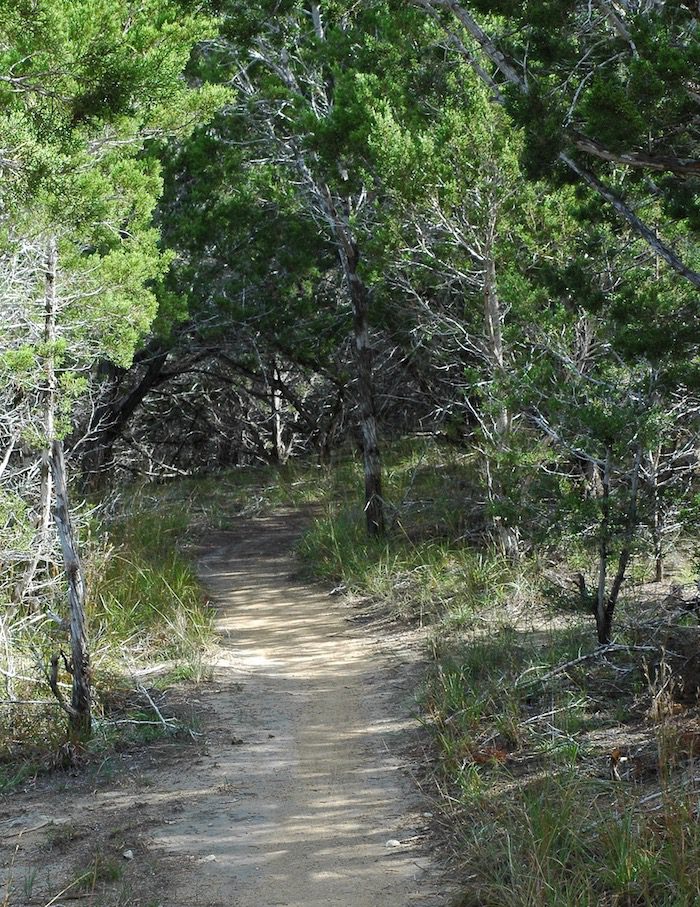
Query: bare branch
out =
(661, 163)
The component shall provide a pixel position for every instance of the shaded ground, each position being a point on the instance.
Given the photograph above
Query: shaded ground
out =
(301, 794)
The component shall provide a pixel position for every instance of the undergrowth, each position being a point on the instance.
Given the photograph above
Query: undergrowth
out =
(215, 501)
(145, 597)
(146, 612)
(527, 716)
(424, 579)
(426, 568)
(542, 812)
(567, 772)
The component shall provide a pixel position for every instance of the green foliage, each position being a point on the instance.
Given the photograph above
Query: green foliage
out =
(235, 207)
(618, 76)
(16, 529)
(75, 136)
(613, 116)
(422, 570)
(120, 76)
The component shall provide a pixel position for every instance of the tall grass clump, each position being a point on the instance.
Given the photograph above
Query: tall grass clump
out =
(214, 501)
(429, 578)
(564, 841)
(426, 566)
(145, 597)
(146, 610)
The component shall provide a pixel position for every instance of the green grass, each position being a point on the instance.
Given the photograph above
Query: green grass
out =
(145, 608)
(522, 749)
(564, 841)
(145, 597)
(13, 775)
(431, 578)
(216, 501)
(101, 870)
(538, 818)
(425, 568)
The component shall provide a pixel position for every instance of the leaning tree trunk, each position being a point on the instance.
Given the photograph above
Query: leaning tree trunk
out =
(79, 711)
(606, 603)
(113, 414)
(374, 502)
(54, 467)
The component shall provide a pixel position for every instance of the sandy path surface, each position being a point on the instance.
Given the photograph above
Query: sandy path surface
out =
(306, 775)
(318, 783)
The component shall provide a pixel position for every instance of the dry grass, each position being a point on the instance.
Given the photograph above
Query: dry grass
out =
(569, 772)
(145, 610)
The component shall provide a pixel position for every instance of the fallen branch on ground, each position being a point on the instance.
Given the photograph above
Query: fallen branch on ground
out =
(599, 652)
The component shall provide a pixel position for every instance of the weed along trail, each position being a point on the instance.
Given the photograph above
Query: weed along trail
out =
(304, 799)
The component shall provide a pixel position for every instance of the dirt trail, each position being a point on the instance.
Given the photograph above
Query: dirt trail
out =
(305, 777)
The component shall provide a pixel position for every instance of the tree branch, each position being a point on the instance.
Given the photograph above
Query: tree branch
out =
(662, 163)
(513, 76)
(481, 38)
(618, 25)
(647, 234)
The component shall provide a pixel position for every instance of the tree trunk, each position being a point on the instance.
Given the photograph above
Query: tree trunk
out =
(113, 415)
(327, 433)
(658, 554)
(606, 603)
(278, 453)
(492, 309)
(374, 502)
(54, 467)
(658, 515)
(506, 535)
(349, 256)
(79, 710)
(604, 627)
(41, 543)
(602, 623)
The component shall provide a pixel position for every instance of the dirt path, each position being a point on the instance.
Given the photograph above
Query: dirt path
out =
(305, 778)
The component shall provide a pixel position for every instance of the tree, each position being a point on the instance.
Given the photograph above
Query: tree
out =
(85, 85)
(304, 88)
(471, 248)
(597, 87)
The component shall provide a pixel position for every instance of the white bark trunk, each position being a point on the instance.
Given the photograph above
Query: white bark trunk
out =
(506, 534)
(41, 542)
(80, 709)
